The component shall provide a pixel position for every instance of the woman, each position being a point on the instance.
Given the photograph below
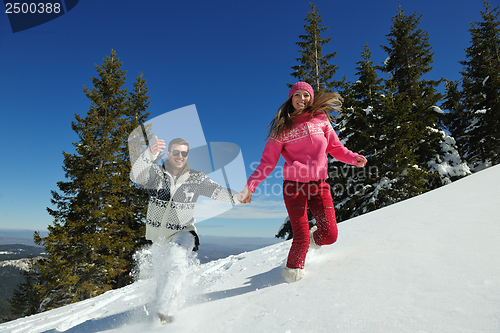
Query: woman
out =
(302, 133)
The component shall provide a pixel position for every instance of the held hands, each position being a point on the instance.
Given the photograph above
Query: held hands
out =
(361, 161)
(157, 146)
(245, 196)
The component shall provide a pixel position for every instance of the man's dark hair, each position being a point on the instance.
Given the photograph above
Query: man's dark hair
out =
(177, 141)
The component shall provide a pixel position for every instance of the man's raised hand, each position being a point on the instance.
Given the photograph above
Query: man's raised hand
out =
(157, 146)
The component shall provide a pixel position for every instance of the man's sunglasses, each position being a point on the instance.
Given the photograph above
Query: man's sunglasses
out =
(177, 152)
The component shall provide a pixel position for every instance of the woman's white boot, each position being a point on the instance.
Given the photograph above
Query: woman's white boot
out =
(292, 274)
(312, 243)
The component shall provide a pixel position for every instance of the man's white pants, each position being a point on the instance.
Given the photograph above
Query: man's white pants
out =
(170, 262)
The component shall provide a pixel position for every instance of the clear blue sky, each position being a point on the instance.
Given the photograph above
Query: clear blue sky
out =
(232, 59)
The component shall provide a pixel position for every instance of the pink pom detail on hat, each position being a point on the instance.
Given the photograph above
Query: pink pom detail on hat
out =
(301, 86)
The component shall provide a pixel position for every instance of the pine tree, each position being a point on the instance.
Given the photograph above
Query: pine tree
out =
(25, 298)
(417, 148)
(359, 129)
(477, 123)
(98, 220)
(315, 68)
(455, 119)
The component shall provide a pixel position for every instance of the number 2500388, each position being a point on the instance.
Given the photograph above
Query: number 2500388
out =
(32, 8)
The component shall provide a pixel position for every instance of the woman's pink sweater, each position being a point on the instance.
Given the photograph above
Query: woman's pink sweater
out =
(305, 148)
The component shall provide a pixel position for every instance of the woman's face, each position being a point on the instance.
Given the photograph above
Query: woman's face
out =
(300, 100)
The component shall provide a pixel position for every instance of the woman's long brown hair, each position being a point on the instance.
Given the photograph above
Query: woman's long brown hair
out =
(284, 118)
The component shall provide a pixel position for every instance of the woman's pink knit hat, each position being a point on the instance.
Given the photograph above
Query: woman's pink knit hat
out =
(301, 86)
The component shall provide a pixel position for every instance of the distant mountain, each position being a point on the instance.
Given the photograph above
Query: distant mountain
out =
(215, 247)
(13, 259)
(19, 251)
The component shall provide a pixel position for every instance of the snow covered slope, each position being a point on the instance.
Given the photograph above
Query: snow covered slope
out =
(428, 264)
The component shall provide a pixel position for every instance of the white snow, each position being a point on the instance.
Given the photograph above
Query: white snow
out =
(437, 109)
(427, 264)
(386, 61)
(448, 164)
(23, 264)
(486, 79)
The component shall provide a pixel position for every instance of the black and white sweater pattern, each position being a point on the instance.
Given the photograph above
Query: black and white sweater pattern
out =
(172, 200)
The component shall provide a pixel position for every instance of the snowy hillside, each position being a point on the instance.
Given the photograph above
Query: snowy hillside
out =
(428, 264)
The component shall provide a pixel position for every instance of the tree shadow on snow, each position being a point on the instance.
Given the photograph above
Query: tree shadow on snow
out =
(259, 281)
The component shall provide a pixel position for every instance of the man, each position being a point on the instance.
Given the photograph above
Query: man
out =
(173, 190)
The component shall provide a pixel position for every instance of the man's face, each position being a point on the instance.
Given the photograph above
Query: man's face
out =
(175, 156)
